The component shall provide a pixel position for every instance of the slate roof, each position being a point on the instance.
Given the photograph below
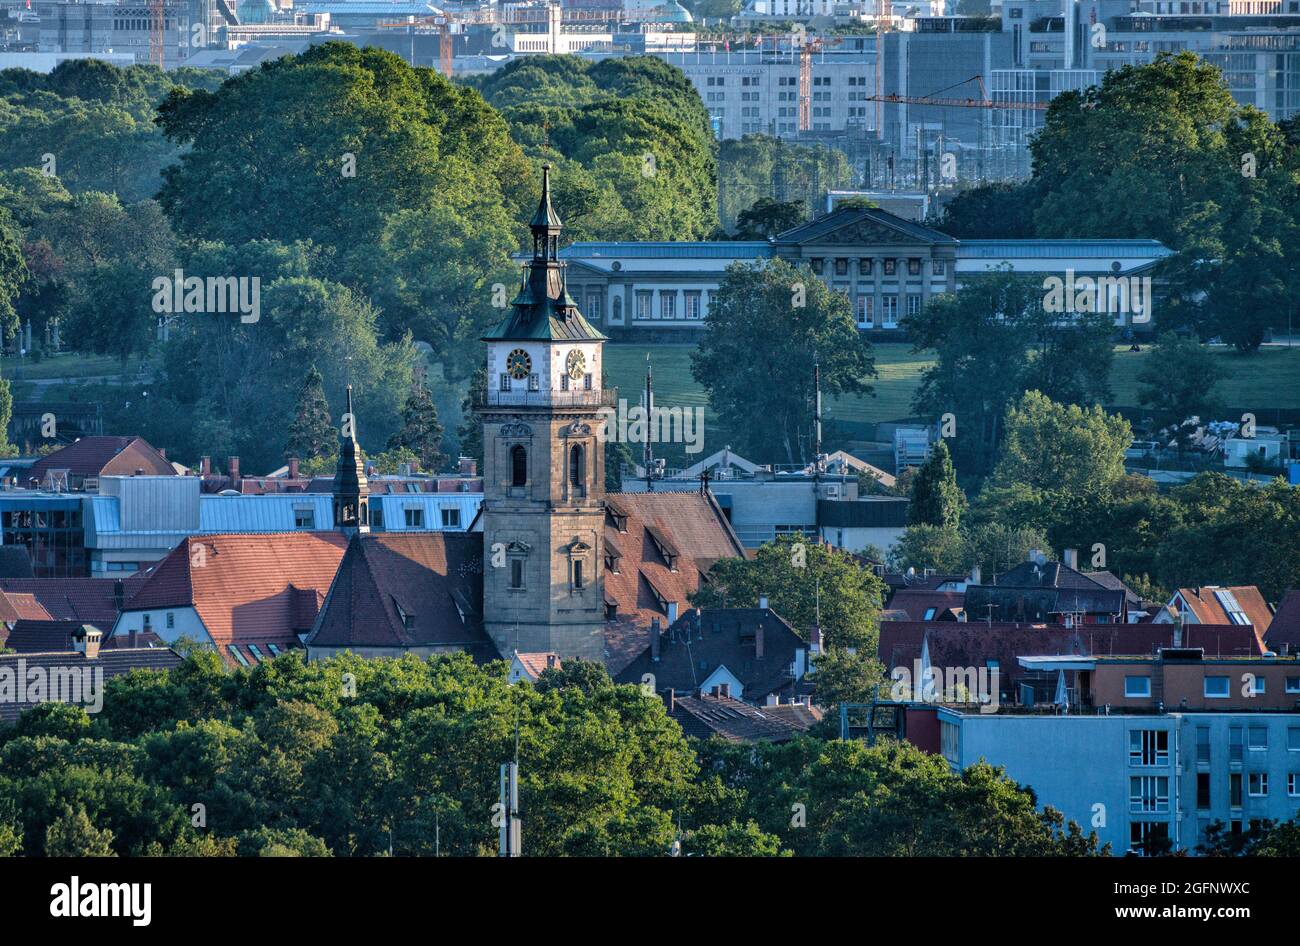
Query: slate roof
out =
(1034, 592)
(701, 641)
(103, 456)
(15, 562)
(404, 590)
(692, 525)
(112, 663)
(706, 716)
(1283, 634)
(247, 589)
(916, 602)
(89, 600)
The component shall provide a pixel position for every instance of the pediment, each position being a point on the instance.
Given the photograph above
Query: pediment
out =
(859, 232)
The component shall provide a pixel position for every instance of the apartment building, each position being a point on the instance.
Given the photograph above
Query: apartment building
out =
(1148, 751)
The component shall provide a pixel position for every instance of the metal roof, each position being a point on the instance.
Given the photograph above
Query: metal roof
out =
(985, 249)
(269, 512)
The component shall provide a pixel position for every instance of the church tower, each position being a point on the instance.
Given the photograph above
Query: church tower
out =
(544, 463)
(351, 491)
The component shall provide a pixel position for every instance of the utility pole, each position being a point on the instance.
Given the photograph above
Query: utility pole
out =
(648, 454)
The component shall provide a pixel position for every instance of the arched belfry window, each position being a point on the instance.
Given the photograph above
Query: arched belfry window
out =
(577, 466)
(518, 465)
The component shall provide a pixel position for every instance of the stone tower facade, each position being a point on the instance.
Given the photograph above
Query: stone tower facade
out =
(544, 468)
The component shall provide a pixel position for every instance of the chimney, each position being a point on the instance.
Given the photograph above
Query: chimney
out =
(670, 700)
(87, 641)
(232, 467)
(975, 575)
(1072, 559)
(758, 642)
(133, 638)
(468, 466)
(762, 602)
(654, 640)
(672, 612)
(119, 594)
(293, 468)
(815, 639)
(205, 466)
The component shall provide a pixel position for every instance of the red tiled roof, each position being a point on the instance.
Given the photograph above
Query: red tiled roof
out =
(535, 662)
(247, 589)
(101, 456)
(693, 527)
(403, 590)
(1207, 609)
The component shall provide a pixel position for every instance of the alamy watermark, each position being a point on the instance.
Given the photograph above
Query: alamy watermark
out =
(1117, 295)
(23, 685)
(946, 685)
(684, 425)
(214, 295)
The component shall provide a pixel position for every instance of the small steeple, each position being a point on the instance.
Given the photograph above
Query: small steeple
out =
(351, 491)
(546, 224)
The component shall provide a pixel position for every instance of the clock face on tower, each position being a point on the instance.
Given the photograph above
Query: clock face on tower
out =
(519, 364)
(576, 364)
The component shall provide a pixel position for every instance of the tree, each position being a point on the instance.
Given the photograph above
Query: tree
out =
(996, 211)
(1177, 382)
(766, 327)
(801, 578)
(360, 151)
(732, 840)
(846, 676)
(312, 432)
(937, 500)
(767, 217)
(73, 835)
(1062, 448)
(420, 431)
(993, 340)
(617, 455)
(1185, 164)
(470, 431)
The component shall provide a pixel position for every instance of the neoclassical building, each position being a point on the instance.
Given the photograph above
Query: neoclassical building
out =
(888, 267)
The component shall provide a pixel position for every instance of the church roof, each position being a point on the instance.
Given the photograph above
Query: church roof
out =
(404, 590)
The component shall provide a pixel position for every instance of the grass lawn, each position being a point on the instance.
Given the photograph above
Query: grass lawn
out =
(1269, 378)
(67, 365)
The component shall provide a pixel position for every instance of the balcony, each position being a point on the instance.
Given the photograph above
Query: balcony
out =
(545, 400)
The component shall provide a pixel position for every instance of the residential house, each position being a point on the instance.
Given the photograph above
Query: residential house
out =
(250, 597)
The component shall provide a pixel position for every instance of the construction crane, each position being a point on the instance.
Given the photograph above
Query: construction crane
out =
(157, 31)
(935, 99)
(806, 49)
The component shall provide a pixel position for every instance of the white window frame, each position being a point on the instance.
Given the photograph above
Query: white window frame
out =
(1129, 692)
